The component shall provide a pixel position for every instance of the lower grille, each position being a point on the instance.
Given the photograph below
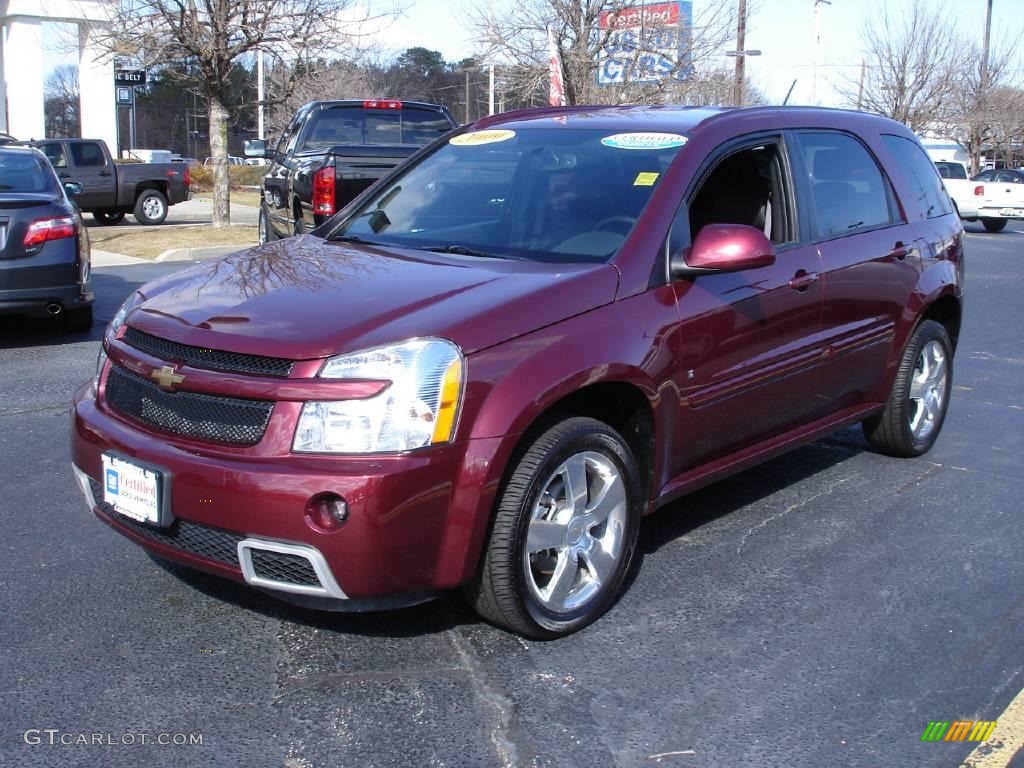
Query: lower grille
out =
(282, 567)
(191, 414)
(194, 538)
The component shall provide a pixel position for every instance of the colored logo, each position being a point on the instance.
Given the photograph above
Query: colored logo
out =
(112, 481)
(958, 730)
(644, 140)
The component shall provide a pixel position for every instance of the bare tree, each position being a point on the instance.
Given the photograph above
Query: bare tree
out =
(1007, 122)
(515, 36)
(913, 59)
(216, 35)
(61, 104)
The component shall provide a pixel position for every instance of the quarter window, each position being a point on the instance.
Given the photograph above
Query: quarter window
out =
(847, 188)
(55, 154)
(920, 174)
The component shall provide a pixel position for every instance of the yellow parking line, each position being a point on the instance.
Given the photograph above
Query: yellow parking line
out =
(1005, 742)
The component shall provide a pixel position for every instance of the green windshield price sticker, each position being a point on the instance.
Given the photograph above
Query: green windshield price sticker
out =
(644, 140)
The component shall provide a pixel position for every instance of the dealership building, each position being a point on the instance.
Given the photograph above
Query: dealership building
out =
(23, 67)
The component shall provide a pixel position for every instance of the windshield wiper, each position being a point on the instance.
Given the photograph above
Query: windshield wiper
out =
(462, 250)
(354, 239)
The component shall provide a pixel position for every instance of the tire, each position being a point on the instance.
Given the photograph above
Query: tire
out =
(77, 320)
(108, 217)
(909, 426)
(592, 542)
(265, 233)
(151, 207)
(300, 224)
(994, 225)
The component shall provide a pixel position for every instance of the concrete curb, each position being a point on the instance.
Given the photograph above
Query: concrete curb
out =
(111, 259)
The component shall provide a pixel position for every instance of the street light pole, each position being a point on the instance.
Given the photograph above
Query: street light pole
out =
(490, 96)
(259, 93)
(739, 85)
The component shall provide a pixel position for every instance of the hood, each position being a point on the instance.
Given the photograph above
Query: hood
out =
(305, 297)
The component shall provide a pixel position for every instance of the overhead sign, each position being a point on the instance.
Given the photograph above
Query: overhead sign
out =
(130, 77)
(645, 43)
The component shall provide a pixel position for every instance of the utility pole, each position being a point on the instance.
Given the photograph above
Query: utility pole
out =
(490, 97)
(259, 93)
(741, 33)
(983, 95)
(467, 97)
(816, 51)
(860, 85)
(739, 86)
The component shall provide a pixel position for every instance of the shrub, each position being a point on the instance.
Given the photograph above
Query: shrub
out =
(239, 175)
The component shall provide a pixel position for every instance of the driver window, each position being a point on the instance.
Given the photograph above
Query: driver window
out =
(746, 187)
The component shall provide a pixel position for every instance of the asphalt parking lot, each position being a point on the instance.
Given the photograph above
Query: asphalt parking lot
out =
(818, 610)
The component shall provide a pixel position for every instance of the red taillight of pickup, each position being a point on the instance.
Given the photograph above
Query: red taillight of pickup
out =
(382, 104)
(979, 191)
(187, 177)
(44, 230)
(323, 191)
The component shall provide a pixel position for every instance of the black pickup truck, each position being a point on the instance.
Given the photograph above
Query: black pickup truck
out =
(333, 150)
(111, 190)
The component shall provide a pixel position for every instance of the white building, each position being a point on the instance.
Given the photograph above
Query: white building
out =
(23, 68)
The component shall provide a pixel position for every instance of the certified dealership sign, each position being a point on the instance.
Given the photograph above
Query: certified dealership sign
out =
(644, 140)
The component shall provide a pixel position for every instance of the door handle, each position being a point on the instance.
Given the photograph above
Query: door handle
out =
(803, 280)
(65, 175)
(104, 173)
(900, 251)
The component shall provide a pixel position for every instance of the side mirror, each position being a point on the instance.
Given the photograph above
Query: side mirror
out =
(254, 148)
(724, 248)
(73, 188)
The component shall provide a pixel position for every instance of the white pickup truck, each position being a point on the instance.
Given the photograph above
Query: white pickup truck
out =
(1003, 198)
(967, 195)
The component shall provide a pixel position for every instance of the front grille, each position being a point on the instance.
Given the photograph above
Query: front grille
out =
(282, 567)
(192, 414)
(197, 539)
(200, 357)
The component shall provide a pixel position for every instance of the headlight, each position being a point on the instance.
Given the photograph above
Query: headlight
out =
(122, 314)
(417, 409)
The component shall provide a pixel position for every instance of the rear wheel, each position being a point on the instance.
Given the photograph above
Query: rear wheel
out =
(108, 217)
(151, 207)
(916, 410)
(564, 532)
(994, 225)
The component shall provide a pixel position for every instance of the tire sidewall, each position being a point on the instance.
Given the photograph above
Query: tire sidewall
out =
(609, 444)
(264, 224)
(927, 331)
(140, 213)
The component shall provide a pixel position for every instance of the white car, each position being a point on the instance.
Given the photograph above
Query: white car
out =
(1004, 198)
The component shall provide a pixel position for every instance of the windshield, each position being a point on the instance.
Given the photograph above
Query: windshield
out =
(25, 172)
(545, 194)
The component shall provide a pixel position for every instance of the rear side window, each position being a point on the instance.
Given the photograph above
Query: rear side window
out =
(55, 154)
(924, 182)
(847, 188)
(355, 124)
(951, 170)
(88, 154)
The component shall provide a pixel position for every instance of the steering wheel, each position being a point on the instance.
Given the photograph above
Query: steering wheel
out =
(605, 223)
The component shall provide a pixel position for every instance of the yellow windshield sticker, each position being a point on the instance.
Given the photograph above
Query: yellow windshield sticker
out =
(645, 179)
(480, 137)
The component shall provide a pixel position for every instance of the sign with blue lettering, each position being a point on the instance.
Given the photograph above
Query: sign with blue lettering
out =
(645, 43)
(112, 481)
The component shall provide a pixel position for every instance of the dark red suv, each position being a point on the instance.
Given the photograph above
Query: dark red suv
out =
(485, 370)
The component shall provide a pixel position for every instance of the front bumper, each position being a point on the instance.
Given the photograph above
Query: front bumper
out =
(415, 522)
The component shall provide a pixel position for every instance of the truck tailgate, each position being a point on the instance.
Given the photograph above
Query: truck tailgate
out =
(357, 167)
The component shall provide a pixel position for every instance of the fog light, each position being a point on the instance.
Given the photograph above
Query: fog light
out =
(326, 512)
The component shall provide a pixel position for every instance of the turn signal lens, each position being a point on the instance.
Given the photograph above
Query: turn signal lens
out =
(43, 230)
(451, 388)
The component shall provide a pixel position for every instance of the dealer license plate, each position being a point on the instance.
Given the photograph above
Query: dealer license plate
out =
(1011, 212)
(132, 490)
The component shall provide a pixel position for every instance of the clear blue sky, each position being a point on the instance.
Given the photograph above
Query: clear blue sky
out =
(782, 29)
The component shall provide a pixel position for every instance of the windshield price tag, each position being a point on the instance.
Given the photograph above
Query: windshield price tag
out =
(481, 137)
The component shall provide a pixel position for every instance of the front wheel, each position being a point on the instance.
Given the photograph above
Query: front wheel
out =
(994, 225)
(264, 227)
(564, 532)
(108, 217)
(151, 207)
(913, 416)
